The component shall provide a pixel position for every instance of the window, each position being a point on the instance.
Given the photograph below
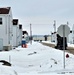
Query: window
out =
(0, 20)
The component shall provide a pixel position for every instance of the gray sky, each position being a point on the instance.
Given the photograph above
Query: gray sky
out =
(41, 13)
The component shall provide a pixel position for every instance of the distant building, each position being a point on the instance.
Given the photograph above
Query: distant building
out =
(71, 36)
(25, 36)
(15, 32)
(5, 28)
(41, 37)
(20, 34)
(53, 37)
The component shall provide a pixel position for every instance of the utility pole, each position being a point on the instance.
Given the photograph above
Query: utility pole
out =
(67, 23)
(64, 45)
(30, 33)
(54, 26)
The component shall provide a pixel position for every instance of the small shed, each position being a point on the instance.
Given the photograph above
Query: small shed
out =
(20, 34)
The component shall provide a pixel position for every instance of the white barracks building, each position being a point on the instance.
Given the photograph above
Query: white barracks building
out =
(5, 28)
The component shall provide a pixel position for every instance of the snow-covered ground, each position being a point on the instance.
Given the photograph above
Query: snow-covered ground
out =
(36, 59)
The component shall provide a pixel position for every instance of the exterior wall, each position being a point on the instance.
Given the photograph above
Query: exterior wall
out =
(53, 37)
(49, 38)
(26, 37)
(15, 35)
(20, 37)
(6, 30)
(10, 30)
(3, 31)
(18, 34)
(72, 35)
(70, 38)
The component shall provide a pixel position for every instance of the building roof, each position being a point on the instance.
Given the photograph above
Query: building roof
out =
(4, 10)
(15, 21)
(24, 32)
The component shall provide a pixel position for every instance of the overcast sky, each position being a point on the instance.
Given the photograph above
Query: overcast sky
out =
(41, 13)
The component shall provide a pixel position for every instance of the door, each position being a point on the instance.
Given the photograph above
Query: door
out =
(1, 44)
